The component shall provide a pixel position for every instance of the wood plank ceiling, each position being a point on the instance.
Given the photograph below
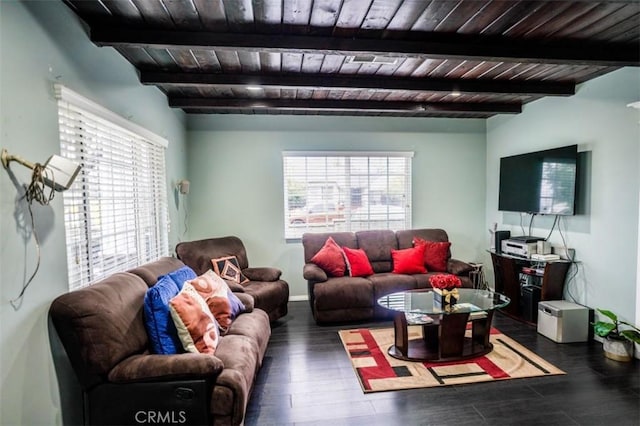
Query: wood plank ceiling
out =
(411, 58)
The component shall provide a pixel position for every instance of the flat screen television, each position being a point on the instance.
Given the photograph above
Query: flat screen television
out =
(541, 182)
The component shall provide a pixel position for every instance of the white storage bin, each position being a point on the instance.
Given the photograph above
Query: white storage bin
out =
(563, 322)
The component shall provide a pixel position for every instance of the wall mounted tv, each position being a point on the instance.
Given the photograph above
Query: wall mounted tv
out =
(541, 182)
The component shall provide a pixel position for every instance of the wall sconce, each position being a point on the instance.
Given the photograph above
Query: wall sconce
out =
(183, 186)
(57, 172)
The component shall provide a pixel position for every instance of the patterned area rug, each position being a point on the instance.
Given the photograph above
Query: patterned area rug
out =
(377, 371)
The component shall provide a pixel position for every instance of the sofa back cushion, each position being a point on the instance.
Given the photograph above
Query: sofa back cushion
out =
(313, 242)
(198, 254)
(101, 325)
(405, 237)
(150, 272)
(331, 258)
(378, 245)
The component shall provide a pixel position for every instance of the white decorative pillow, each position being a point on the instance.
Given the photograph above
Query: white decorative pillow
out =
(196, 325)
(214, 290)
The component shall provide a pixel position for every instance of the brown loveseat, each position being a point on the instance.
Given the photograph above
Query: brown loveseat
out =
(343, 299)
(102, 331)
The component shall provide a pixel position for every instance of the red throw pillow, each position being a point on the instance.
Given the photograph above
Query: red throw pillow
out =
(330, 259)
(409, 261)
(436, 254)
(358, 262)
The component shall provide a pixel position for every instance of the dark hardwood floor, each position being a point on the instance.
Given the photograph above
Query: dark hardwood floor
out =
(307, 379)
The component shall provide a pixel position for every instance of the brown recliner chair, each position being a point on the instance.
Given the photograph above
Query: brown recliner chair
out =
(270, 293)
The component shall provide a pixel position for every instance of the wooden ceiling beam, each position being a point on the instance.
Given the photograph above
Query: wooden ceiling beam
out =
(368, 82)
(214, 104)
(449, 46)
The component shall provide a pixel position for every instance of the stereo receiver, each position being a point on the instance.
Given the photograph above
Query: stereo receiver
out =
(519, 248)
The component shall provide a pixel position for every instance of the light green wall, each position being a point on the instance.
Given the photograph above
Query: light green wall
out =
(42, 43)
(605, 239)
(235, 167)
(236, 173)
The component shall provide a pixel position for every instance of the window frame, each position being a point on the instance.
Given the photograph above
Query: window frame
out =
(134, 206)
(349, 176)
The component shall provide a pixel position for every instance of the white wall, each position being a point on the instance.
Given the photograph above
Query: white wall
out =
(42, 43)
(235, 167)
(606, 238)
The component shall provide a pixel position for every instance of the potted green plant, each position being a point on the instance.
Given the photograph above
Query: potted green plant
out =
(619, 336)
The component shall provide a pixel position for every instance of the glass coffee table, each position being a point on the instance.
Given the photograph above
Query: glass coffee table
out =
(443, 328)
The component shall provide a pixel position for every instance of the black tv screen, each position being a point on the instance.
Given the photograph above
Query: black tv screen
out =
(542, 182)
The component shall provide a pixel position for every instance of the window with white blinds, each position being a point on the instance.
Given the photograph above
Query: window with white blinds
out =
(346, 191)
(116, 211)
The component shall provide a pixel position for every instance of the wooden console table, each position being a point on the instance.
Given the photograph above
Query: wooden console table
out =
(507, 270)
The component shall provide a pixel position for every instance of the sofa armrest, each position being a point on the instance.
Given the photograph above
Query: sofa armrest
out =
(312, 272)
(235, 287)
(262, 274)
(458, 267)
(247, 300)
(148, 367)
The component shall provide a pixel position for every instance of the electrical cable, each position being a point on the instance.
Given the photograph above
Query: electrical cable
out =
(552, 228)
(186, 222)
(521, 225)
(570, 257)
(531, 222)
(35, 192)
(564, 242)
(568, 286)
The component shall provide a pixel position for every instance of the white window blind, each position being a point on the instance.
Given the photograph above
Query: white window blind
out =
(346, 191)
(116, 211)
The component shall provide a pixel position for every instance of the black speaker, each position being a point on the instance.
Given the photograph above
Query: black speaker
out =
(501, 235)
(530, 296)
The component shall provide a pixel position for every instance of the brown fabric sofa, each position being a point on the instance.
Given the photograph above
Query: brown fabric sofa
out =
(345, 299)
(102, 330)
(270, 293)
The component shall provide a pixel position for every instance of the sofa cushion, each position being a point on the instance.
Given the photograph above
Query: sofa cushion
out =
(378, 246)
(182, 275)
(330, 258)
(152, 271)
(312, 242)
(196, 325)
(163, 336)
(357, 262)
(228, 268)
(405, 237)
(343, 292)
(409, 261)
(436, 254)
(256, 327)
(237, 307)
(214, 291)
(198, 254)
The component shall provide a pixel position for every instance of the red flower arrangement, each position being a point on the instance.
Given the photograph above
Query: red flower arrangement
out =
(444, 281)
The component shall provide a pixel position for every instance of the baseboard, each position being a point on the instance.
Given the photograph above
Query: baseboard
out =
(298, 298)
